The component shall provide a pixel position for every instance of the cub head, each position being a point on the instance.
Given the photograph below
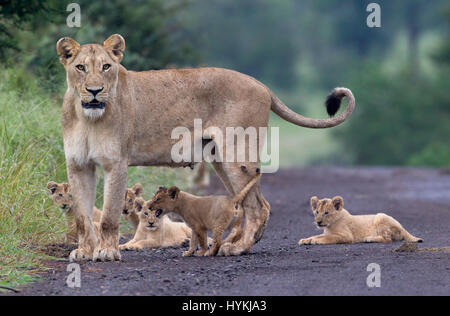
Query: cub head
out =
(326, 211)
(130, 196)
(60, 193)
(92, 71)
(148, 217)
(165, 200)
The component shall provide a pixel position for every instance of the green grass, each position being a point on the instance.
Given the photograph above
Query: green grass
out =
(31, 154)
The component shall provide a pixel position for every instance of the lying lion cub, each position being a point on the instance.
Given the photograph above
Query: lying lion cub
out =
(60, 193)
(203, 214)
(154, 230)
(340, 227)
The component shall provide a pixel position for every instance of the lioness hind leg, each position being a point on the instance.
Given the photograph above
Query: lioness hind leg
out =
(255, 210)
(236, 226)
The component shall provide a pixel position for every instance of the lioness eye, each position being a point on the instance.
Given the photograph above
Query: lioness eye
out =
(80, 67)
(60, 195)
(106, 66)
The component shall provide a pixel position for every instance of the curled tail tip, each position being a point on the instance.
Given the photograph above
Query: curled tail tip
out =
(334, 99)
(333, 104)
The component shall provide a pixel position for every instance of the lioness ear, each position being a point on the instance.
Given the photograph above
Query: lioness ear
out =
(51, 186)
(67, 49)
(115, 44)
(338, 203)
(173, 192)
(137, 189)
(314, 201)
(138, 204)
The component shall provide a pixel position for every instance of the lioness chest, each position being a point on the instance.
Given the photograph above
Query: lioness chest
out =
(86, 144)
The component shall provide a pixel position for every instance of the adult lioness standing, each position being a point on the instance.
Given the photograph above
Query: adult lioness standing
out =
(115, 118)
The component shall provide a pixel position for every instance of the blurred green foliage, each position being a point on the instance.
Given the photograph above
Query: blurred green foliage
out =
(301, 49)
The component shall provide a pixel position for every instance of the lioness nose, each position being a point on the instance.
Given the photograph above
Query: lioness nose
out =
(94, 91)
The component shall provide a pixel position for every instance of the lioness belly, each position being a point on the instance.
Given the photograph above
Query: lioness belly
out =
(192, 100)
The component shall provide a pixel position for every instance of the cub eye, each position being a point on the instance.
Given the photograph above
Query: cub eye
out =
(317, 212)
(129, 201)
(80, 67)
(326, 213)
(158, 213)
(145, 213)
(106, 67)
(158, 199)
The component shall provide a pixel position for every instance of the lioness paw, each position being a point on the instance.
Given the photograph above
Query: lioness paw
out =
(79, 255)
(106, 254)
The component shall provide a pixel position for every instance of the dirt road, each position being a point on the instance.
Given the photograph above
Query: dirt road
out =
(418, 198)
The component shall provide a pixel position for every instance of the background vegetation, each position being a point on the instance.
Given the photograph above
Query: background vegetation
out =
(399, 74)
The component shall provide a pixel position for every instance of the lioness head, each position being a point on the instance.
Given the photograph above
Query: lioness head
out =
(326, 211)
(150, 218)
(164, 200)
(92, 71)
(130, 196)
(60, 193)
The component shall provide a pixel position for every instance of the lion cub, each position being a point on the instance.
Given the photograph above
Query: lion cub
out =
(129, 214)
(60, 193)
(340, 227)
(154, 230)
(203, 214)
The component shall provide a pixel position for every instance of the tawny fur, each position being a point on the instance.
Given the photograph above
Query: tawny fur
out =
(61, 196)
(128, 212)
(203, 214)
(131, 124)
(155, 231)
(340, 227)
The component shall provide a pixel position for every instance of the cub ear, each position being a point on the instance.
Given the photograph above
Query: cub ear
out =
(67, 49)
(52, 186)
(115, 44)
(138, 204)
(137, 189)
(173, 192)
(314, 201)
(338, 203)
(66, 187)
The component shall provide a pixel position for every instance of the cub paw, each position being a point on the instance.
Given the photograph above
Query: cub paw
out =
(306, 241)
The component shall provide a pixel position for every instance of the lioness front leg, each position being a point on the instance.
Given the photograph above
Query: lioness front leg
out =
(115, 187)
(82, 184)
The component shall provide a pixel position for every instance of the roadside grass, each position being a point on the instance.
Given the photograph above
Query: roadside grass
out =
(31, 154)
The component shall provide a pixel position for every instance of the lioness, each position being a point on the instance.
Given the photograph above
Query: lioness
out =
(155, 231)
(203, 214)
(60, 193)
(115, 118)
(340, 227)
